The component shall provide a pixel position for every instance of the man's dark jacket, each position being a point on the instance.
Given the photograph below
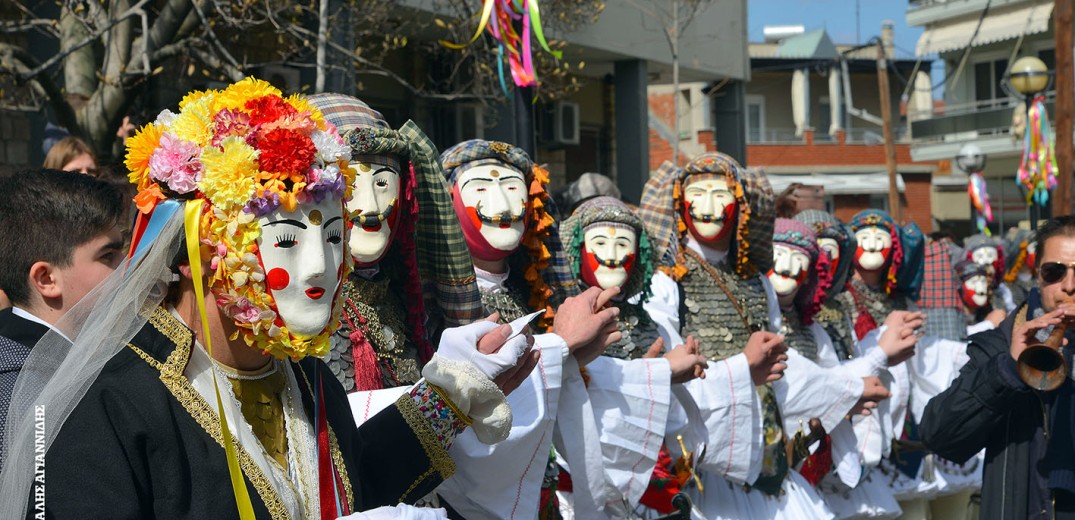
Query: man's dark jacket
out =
(987, 406)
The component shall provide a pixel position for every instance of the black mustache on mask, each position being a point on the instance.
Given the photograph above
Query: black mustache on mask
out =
(497, 219)
(372, 219)
(707, 219)
(611, 264)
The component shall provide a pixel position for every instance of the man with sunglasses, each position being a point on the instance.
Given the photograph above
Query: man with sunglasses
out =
(1027, 434)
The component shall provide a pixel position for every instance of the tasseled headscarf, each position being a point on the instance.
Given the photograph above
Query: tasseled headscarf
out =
(878, 218)
(661, 210)
(975, 242)
(428, 244)
(540, 256)
(798, 236)
(604, 211)
(909, 276)
(1017, 242)
(826, 225)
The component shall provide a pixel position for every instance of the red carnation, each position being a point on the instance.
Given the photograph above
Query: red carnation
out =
(285, 151)
(266, 109)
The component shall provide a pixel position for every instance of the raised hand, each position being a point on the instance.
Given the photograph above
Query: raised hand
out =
(766, 355)
(686, 361)
(586, 324)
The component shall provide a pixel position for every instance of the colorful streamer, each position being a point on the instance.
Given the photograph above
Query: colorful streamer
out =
(979, 199)
(1037, 173)
(500, 17)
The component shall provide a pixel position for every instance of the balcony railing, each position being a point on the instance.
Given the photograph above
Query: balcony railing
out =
(983, 118)
(859, 136)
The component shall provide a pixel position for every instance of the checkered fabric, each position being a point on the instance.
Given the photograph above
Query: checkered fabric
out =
(468, 154)
(947, 323)
(940, 289)
(609, 211)
(444, 263)
(658, 211)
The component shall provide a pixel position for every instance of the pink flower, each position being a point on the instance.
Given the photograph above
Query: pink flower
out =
(228, 123)
(242, 311)
(176, 163)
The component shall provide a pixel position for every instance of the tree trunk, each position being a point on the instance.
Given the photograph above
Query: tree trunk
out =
(80, 67)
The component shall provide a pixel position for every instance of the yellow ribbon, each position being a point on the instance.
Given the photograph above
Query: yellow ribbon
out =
(192, 223)
(487, 11)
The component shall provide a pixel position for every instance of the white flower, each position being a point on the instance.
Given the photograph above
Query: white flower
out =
(165, 118)
(329, 150)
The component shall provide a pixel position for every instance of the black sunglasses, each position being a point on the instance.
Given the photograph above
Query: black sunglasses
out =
(1053, 272)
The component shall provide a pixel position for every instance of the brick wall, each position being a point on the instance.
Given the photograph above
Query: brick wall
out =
(824, 154)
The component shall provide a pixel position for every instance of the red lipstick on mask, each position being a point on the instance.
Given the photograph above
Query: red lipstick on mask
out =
(315, 293)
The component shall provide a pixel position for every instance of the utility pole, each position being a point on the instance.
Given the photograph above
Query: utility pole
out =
(674, 40)
(1065, 90)
(890, 144)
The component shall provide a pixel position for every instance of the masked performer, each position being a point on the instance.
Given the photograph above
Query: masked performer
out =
(507, 218)
(413, 275)
(248, 188)
(630, 397)
(1022, 259)
(712, 224)
(989, 253)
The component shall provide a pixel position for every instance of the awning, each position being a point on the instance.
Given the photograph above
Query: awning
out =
(1000, 24)
(838, 184)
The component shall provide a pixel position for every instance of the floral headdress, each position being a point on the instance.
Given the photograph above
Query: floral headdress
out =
(609, 211)
(878, 218)
(800, 237)
(661, 209)
(1018, 240)
(246, 151)
(544, 267)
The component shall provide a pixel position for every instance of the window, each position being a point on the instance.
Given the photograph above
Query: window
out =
(987, 78)
(755, 119)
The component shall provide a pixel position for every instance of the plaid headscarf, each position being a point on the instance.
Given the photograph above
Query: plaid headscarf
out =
(600, 210)
(800, 237)
(967, 269)
(878, 218)
(540, 257)
(445, 269)
(826, 225)
(661, 210)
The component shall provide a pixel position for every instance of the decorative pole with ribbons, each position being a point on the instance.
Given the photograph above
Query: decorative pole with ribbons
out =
(501, 18)
(979, 199)
(1037, 172)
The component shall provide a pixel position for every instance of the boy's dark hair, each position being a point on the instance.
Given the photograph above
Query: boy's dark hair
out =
(1056, 226)
(49, 213)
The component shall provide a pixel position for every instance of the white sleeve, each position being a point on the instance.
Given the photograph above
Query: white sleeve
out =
(576, 437)
(826, 351)
(631, 400)
(367, 403)
(981, 326)
(935, 365)
(807, 391)
(663, 308)
(503, 480)
(845, 454)
(724, 420)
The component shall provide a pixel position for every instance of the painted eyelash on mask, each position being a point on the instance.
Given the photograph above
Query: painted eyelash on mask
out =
(335, 236)
(285, 239)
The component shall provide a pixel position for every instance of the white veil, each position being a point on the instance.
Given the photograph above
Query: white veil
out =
(57, 373)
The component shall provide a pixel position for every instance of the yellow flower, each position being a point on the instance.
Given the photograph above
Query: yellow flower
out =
(194, 122)
(194, 97)
(301, 104)
(140, 148)
(237, 94)
(230, 172)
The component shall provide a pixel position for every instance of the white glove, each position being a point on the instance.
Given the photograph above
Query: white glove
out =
(461, 344)
(400, 512)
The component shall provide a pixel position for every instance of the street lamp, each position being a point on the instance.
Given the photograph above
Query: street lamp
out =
(1029, 76)
(971, 160)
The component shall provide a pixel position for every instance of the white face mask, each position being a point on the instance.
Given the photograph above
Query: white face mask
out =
(789, 266)
(613, 251)
(985, 256)
(375, 198)
(979, 287)
(707, 200)
(302, 253)
(831, 247)
(496, 195)
(875, 246)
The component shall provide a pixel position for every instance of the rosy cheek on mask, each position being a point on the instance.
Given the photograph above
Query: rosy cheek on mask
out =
(728, 223)
(278, 279)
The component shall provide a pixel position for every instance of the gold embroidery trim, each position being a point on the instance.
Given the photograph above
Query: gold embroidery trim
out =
(180, 387)
(458, 413)
(419, 423)
(415, 484)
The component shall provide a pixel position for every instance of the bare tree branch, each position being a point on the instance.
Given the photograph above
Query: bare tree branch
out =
(18, 60)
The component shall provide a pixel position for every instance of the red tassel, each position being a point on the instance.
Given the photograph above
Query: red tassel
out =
(819, 463)
(367, 370)
(864, 324)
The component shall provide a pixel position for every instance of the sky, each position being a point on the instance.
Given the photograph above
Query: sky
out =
(838, 18)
